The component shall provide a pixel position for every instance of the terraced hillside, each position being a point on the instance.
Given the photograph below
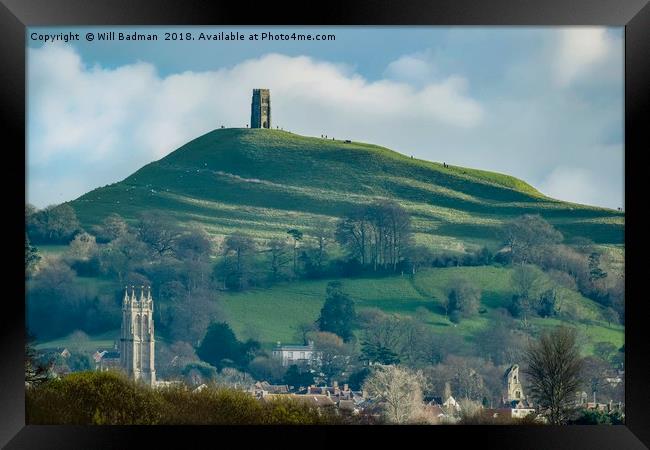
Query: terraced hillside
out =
(262, 182)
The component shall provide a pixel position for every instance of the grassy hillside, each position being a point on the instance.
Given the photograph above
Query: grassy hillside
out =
(263, 182)
(272, 315)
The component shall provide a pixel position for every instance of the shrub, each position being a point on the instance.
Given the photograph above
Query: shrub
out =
(91, 398)
(109, 398)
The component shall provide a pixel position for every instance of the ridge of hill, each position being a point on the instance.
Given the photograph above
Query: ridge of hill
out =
(261, 182)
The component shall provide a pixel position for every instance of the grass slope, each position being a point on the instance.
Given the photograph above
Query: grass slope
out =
(263, 182)
(272, 315)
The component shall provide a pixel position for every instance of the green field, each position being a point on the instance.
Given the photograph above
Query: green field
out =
(272, 314)
(104, 340)
(262, 182)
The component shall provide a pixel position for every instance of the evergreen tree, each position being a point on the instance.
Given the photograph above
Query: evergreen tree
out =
(337, 315)
(595, 272)
(375, 353)
(547, 300)
(221, 348)
(298, 378)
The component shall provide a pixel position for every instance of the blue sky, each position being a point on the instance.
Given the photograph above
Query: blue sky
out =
(544, 104)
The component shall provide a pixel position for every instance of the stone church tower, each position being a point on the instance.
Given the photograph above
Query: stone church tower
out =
(515, 391)
(137, 343)
(261, 109)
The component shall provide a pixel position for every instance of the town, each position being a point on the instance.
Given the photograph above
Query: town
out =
(133, 356)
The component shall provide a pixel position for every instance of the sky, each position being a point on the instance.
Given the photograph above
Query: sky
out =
(544, 104)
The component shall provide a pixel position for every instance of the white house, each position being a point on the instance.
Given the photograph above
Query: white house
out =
(295, 354)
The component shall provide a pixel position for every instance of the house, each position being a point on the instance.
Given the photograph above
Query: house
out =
(309, 399)
(107, 360)
(451, 403)
(348, 406)
(520, 411)
(295, 354)
(264, 388)
(613, 381)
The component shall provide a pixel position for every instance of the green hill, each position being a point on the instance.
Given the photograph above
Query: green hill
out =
(262, 182)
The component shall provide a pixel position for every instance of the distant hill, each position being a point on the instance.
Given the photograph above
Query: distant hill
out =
(262, 182)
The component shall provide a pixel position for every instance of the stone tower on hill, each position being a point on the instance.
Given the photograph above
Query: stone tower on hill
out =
(137, 343)
(261, 109)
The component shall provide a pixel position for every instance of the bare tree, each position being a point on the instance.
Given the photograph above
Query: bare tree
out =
(303, 329)
(242, 248)
(322, 235)
(525, 281)
(377, 234)
(399, 390)
(83, 246)
(555, 368)
(112, 227)
(528, 237)
(463, 298)
(296, 235)
(333, 355)
(159, 232)
(278, 257)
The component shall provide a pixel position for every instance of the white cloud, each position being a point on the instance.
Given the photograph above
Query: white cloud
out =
(579, 51)
(125, 117)
(415, 67)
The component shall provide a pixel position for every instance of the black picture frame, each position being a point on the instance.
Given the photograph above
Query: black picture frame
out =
(16, 15)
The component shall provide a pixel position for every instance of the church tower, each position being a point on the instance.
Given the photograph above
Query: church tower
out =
(515, 391)
(261, 109)
(137, 343)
